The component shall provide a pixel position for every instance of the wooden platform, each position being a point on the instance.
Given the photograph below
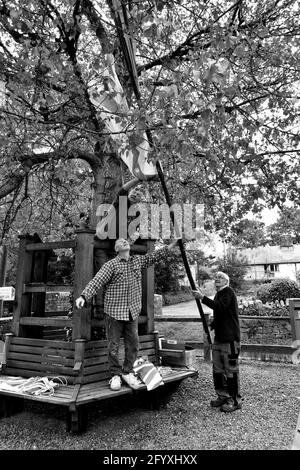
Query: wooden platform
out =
(66, 395)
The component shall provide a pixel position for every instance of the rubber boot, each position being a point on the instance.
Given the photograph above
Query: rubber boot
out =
(221, 390)
(234, 402)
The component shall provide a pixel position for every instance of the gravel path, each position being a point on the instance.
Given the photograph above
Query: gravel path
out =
(267, 420)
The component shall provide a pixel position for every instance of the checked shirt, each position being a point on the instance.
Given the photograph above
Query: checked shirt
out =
(121, 281)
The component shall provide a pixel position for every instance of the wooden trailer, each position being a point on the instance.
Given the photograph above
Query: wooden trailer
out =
(37, 345)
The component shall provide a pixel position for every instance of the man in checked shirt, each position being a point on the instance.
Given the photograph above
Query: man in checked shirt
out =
(121, 279)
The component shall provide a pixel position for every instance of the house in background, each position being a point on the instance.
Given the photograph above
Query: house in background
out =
(272, 261)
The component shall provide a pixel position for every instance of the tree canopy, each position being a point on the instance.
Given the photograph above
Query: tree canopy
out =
(219, 91)
(286, 228)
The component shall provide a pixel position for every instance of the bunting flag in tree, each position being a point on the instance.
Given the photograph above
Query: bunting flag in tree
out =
(133, 147)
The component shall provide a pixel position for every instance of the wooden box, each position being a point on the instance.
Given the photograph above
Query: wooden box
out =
(176, 354)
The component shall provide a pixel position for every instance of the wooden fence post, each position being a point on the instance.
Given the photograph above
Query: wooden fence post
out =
(3, 266)
(79, 359)
(22, 304)
(83, 273)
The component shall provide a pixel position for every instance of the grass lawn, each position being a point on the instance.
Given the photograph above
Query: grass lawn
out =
(267, 420)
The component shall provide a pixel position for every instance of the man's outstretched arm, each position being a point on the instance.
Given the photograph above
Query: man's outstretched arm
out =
(157, 255)
(102, 277)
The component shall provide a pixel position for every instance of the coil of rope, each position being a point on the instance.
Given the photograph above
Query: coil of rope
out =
(33, 385)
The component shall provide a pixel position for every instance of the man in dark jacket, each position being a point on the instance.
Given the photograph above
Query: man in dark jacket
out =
(226, 346)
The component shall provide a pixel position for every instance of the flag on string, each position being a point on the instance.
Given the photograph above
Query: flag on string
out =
(110, 101)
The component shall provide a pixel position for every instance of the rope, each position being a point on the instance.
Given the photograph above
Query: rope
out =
(32, 386)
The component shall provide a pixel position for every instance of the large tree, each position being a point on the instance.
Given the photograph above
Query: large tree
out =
(218, 86)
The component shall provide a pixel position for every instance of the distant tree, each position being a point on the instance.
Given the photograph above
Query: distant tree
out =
(248, 234)
(170, 270)
(286, 227)
(204, 273)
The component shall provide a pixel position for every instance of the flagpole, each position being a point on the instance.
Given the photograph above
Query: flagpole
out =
(182, 251)
(121, 21)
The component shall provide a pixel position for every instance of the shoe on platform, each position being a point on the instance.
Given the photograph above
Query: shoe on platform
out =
(115, 383)
(131, 380)
(230, 406)
(218, 402)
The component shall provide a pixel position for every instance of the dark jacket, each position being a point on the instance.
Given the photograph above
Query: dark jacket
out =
(226, 316)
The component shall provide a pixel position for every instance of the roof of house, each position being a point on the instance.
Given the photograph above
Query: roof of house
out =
(274, 254)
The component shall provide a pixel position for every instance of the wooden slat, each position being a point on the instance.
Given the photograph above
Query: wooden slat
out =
(42, 343)
(147, 352)
(94, 369)
(101, 343)
(41, 351)
(57, 368)
(40, 287)
(95, 360)
(51, 245)
(145, 338)
(56, 313)
(95, 353)
(56, 400)
(40, 358)
(101, 386)
(101, 394)
(54, 332)
(56, 336)
(96, 377)
(147, 344)
(95, 344)
(44, 321)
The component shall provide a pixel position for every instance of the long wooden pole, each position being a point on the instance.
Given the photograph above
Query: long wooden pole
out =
(3, 266)
(183, 252)
(120, 13)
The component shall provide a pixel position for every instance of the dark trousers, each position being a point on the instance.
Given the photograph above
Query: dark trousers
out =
(114, 330)
(226, 370)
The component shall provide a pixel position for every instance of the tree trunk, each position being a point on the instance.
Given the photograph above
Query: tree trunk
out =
(107, 182)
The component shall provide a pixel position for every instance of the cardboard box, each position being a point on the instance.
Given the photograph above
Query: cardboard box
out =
(7, 293)
(176, 354)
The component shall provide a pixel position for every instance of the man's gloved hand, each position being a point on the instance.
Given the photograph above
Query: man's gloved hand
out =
(198, 294)
(80, 302)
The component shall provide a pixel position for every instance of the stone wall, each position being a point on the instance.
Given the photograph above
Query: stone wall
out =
(265, 330)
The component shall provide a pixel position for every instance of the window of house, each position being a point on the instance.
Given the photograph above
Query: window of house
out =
(272, 268)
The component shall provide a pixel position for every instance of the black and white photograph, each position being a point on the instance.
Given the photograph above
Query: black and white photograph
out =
(149, 229)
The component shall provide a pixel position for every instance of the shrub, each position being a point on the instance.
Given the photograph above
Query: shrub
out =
(167, 273)
(256, 309)
(204, 274)
(279, 289)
